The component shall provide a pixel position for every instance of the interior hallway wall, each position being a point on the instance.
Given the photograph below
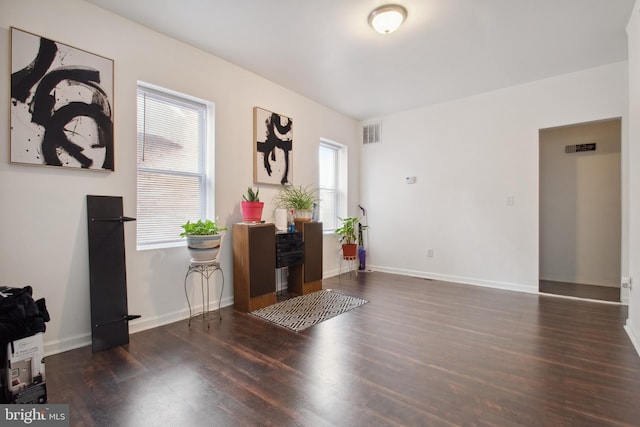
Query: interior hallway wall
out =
(580, 209)
(475, 200)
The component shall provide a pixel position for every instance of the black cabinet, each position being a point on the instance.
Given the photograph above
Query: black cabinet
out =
(289, 249)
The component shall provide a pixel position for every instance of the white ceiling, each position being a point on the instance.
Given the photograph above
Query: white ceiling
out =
(446, 49)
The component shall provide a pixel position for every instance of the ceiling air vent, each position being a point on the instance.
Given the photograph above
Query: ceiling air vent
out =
(371, 133)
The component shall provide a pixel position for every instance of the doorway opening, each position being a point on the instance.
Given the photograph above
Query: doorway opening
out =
(580, 210)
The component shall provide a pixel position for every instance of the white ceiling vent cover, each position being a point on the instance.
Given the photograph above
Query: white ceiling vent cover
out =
(371, 133)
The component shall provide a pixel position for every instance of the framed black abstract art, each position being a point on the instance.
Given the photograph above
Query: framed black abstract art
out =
(273, 146)
(61, 104)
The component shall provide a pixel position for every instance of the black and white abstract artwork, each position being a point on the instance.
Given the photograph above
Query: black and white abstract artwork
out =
(61, 104)
(273, 145)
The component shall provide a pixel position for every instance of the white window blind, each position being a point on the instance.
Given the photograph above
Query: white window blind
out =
(328, 156)
(171, 165)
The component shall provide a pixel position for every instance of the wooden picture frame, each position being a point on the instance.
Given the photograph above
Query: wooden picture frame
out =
(272, 148)
(61, 105)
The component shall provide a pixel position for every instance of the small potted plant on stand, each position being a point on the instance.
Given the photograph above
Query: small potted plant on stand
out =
(251, 206)
(348, 236)
(203, 239)
(299, 199)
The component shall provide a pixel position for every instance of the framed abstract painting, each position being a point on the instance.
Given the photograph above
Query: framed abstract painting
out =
(61, 105)
(273, 147)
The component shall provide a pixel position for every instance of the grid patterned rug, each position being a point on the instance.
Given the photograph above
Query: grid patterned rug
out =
(302, 312)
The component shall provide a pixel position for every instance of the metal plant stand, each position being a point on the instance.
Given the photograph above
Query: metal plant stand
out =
(205, 269)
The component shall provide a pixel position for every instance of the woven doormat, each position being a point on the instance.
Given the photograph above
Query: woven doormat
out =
(302, 312)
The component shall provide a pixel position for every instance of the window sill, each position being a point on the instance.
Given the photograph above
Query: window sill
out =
(164, 245)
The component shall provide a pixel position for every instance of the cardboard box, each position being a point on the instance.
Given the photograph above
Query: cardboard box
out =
(24, 372)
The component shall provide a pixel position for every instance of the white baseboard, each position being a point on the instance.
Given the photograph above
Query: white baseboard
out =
(52, 347)
(634, 336)
(137, 325)
(459, 279)
(331, 273)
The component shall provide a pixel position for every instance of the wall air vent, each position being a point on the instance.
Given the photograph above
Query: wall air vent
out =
(371, 133)
(579, 148)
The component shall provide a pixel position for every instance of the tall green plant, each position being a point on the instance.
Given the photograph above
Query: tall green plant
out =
(349, 230)
(298, 198)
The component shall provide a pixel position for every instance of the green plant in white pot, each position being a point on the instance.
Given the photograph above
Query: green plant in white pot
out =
(203, 239)
(299, 199)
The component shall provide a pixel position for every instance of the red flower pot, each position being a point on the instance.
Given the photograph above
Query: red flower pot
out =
(252, 211)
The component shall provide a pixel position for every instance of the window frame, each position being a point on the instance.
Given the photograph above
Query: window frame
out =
(340, 180)
(205, 160)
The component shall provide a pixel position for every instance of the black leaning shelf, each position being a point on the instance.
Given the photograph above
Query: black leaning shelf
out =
(107, 272)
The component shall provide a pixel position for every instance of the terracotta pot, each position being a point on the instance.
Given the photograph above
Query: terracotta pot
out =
(252, 211)
(349, 250)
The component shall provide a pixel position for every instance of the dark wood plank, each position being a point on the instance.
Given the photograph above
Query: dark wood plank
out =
(421, 352)
(602, 293)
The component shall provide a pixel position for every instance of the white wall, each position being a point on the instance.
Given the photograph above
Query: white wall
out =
(580, 209)
(43, 224)
(469, 156)
(633, 33)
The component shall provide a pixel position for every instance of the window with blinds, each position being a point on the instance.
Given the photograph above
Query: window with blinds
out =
(332, 183)
(172, 136)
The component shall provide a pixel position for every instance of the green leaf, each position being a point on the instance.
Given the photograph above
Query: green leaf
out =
(251, 196)
(201, 228)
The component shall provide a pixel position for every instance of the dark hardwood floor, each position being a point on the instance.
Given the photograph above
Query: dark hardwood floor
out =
(601, 293)
(420, 353)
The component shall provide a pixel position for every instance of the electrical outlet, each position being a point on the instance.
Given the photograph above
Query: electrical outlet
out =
(410, 179)
(430, 252)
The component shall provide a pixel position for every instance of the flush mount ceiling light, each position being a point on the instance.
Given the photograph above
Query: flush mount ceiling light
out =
(386, 19)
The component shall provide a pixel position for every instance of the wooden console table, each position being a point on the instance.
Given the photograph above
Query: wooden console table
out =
(254, 264)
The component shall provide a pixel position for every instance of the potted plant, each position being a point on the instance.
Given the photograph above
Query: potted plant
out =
(203, 239)
(251, 206)
(348, 233)
(299, 199)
